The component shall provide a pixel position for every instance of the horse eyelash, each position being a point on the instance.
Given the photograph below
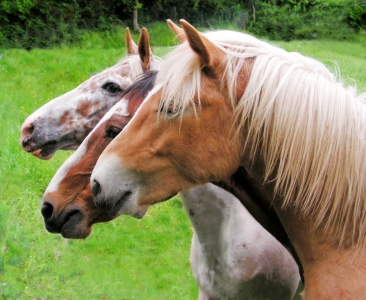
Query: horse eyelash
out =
(170, 110)
(115, 85)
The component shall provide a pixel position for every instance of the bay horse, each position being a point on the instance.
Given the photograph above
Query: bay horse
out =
(224, 100)
(65, 121)
(232, 255)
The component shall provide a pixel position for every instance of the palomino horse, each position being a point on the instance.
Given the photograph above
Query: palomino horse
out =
(65, 121)
(232, 256)
(225, 99)
(246, 190)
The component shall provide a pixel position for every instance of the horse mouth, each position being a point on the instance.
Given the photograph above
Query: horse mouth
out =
(114, 212)
(45, 152)
(71, 226)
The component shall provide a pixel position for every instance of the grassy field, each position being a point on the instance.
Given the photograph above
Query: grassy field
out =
(123, 259)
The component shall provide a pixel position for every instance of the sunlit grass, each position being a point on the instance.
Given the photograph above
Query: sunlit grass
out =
(128, 258)
(123, 259)
(349, 57)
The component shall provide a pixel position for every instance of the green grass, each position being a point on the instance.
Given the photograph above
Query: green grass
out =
(349, 56)
(159, 32)
(123, 259)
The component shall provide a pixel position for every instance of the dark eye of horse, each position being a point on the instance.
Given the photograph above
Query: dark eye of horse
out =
(112, 131)
(112, 87)
(171, 109)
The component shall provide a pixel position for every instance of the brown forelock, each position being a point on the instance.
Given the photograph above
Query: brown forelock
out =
(135, 95)
(134, 103)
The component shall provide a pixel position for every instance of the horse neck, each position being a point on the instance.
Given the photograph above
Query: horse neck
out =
(209, 212)
(330, 271)
(341, 276)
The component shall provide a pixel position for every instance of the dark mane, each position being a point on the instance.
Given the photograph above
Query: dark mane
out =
(144, 83)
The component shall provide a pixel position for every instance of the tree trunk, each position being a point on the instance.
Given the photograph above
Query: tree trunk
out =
(253, 7)
(136, 26)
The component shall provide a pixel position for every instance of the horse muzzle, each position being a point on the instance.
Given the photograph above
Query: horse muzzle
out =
(70, 223)
(37, 142)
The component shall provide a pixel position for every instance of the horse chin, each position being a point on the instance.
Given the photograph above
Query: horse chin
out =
(46, 151)
(75, 227)
(38, 153)
(76, 233)
(141, 212)
(126, 205)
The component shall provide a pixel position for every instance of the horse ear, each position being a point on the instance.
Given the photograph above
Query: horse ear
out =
(144, 49)
(130, 44)
(209, 55)
(179, 32)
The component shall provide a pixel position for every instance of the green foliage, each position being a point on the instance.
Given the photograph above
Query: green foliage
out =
(276, 22)
(159, 32)
(357, 17)
(26, 23)
(46, 23)
(22, 7)
(305, 19)
(35, 23)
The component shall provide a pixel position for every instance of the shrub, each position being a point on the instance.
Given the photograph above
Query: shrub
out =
(26, 23)
(288, 22)
(44, 23)
(357, 17)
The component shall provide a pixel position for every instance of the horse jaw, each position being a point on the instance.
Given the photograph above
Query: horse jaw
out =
(109, 195)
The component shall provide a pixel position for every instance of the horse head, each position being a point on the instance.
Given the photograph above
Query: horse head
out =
(183, 120)
(68, 205)
(65, 121)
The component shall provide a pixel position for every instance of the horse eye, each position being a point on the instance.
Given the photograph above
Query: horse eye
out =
(112, 131)
(171, 109)
(112, 88)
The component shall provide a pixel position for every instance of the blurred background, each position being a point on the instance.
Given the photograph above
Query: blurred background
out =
(43, 23)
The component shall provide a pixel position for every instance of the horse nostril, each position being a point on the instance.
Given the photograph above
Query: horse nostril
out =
(96, 188)
(47, 210)
(27, 130)
(26, 133)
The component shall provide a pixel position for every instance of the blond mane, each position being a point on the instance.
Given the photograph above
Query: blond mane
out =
(309, 129)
